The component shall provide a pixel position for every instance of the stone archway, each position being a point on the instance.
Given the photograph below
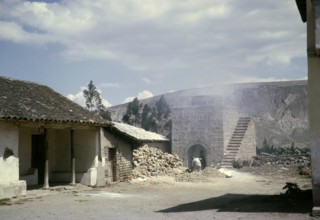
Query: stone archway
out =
(197, 150)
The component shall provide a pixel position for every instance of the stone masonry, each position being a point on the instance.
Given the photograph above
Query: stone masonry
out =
(198, 131)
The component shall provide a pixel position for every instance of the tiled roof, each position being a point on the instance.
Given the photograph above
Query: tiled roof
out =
(136, 133)
(28, 101)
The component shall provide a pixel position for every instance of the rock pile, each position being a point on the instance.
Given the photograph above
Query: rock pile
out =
(282, 160)
(149, 161)
(206, 175)
(269, 163)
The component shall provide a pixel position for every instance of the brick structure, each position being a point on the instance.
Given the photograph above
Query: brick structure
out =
(122, 139)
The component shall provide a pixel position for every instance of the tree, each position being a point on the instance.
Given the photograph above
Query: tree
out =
(94, 101)
(92, 97)
(163, 109)
(162, 113)
(155, 119)
(132, 115)
(148, 118)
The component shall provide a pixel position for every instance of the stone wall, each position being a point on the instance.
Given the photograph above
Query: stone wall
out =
(198, 126)
(248, 147)
(230, 120)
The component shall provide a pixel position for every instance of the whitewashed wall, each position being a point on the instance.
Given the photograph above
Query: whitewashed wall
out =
(9, 167)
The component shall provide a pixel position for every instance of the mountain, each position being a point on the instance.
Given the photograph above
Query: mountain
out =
(279, 109)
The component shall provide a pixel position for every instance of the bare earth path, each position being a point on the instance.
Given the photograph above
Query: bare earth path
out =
(244, 196)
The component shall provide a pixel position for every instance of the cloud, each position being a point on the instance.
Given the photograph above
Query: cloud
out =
(128, 99)
(79, 98)
(12, 31)
(141, 95)
(144, 94)
(208, 40)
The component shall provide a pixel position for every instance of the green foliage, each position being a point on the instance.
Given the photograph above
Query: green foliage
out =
(163, 109)
(148, 118)
(132, 115)
(92, 97)
(104, 113)
(94, 101)
(155, 119)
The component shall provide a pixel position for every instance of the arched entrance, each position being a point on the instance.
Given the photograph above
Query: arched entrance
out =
(197, 150)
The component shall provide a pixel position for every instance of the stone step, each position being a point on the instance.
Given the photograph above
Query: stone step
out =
(227, 155)
(233, 145)
(226, 165)
(244, 119)
(228, 159)
(239, 130)
(231, 152)
(238, 134)
(235, 142)
(241, 127)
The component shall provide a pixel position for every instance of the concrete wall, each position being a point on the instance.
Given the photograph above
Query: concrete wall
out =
(198, 126)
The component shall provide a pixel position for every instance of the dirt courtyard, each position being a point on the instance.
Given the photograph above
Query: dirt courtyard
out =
(248, 194)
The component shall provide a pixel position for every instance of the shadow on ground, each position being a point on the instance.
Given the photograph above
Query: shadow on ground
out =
(301, 203)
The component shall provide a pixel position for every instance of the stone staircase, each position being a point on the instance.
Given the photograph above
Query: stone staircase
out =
(235, 142)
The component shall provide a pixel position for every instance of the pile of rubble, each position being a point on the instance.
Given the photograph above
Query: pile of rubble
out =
(149, 161)
(286, 160)
(269, 164)
(206, 175)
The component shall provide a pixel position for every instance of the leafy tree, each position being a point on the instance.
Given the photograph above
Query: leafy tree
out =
(104, 113)
(155, 119)
(92, 97)
(162, 113)
(132, 115)
(148, 119)
(163, 109)
(94, 101)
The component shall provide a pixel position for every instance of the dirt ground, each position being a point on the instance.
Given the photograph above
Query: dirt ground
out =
(251, 193)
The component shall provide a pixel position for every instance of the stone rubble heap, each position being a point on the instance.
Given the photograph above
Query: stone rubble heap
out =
(302, 162)
(282, 160)
(149, 161)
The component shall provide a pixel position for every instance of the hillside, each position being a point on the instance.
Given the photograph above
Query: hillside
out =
(279, 109)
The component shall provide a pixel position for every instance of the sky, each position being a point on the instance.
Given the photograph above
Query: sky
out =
(143, 48)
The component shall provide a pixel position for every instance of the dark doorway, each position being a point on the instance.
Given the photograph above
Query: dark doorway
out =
(38, 155)
(197, 151)
(113, 162)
